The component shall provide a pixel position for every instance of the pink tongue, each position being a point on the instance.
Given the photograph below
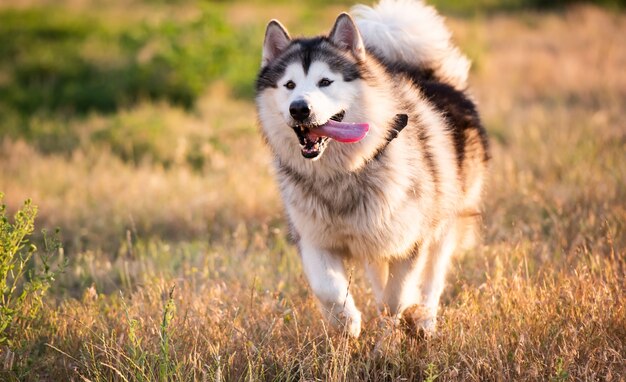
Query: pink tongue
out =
(342, 131)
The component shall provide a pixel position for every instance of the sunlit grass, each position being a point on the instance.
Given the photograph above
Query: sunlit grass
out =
(179, 266)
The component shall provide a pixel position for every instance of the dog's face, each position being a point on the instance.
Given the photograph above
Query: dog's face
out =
(305, 83)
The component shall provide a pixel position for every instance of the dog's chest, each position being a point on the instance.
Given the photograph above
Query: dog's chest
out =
(370, 214)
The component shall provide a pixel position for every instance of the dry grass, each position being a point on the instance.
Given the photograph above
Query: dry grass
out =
(95, 196)
(542, 299)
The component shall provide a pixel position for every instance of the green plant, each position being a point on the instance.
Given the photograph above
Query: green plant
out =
(23, 283)
(431, 373)
(164, 354)
(560, 372)
(54, 66)
(138, 355)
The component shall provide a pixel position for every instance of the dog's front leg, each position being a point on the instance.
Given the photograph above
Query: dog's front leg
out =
(327, 277)
(401, 291)
(378, 274)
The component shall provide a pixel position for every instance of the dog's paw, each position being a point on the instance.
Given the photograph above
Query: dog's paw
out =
(353, 326)
(345, 319)
(350, 321)
(419, 321)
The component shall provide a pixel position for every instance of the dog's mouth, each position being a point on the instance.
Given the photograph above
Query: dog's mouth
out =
(314, 138)
(312, 145)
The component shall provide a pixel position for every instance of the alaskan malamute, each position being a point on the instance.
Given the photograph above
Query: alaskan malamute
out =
(379, 153)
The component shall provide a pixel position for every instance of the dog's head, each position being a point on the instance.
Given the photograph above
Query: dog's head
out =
(309, 91)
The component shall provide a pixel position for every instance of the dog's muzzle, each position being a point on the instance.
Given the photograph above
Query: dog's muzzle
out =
(312, 145)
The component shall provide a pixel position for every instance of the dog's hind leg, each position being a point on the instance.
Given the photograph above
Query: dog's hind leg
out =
(327, 277)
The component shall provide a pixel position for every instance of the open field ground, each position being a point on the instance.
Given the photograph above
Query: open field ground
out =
(131, 125)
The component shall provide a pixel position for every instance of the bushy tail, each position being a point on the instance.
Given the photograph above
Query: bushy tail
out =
(411, 32)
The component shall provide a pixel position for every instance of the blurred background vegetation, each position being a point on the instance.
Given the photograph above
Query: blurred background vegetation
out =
(65, 60)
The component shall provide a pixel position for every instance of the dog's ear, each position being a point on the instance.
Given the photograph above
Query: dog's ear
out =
(276, 40)
(346, 36)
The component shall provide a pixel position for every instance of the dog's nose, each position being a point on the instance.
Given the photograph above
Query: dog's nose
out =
(300, 110)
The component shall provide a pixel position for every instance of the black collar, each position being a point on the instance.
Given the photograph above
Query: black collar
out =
(399, 122)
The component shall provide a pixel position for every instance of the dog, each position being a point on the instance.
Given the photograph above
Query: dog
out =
(379, 154)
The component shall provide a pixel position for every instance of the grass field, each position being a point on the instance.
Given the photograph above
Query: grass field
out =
(130, 124)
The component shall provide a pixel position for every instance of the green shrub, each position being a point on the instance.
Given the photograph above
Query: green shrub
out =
(75, 63)
(23, 283)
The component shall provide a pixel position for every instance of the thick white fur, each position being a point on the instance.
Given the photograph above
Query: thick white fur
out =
(410, 31)
(382, 232)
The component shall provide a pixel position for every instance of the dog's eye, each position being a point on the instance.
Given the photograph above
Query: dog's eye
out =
(290, 85)
(324, 82)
